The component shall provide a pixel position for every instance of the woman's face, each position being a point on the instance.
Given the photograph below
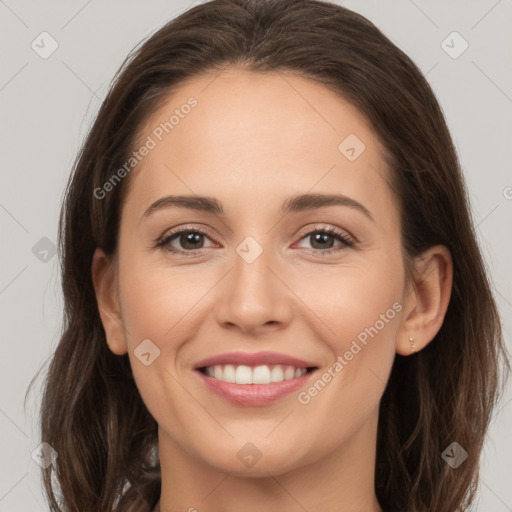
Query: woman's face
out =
(257, 275)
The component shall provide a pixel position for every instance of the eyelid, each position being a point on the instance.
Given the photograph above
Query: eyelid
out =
(185, 227)
(329, 228)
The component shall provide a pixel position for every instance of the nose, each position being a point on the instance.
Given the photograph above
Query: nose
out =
(253, 297)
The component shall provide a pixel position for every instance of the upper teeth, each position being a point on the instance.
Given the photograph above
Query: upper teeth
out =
(258, 375)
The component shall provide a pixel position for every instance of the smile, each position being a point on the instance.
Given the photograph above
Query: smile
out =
(256, 379)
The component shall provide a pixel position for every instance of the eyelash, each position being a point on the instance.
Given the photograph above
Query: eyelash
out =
(346, 242)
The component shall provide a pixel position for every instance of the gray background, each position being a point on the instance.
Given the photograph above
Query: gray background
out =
(47, 106)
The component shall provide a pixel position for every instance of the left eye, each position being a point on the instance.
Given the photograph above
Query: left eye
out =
(191, 241)
(325, 238)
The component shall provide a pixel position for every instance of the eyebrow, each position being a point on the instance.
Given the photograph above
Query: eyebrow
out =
(298, 203)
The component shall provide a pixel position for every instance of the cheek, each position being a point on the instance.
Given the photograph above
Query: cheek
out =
(161, 304)
(361, 307)
(352, 299)
(154, 309)
(156, 299)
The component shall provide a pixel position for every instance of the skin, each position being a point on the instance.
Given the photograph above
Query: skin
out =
(252, 141)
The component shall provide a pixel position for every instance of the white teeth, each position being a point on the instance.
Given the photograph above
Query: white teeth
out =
(289, 373)
(263, 374)
(229, 373)
(217, 372)
(243, 375)
(277, 375)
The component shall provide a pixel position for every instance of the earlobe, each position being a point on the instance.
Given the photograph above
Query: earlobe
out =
(105, 287)
(426, 300)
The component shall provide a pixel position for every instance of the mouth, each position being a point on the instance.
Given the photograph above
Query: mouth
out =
(254, 379)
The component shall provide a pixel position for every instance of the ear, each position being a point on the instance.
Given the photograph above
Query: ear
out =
(104, 279)
(427, 298)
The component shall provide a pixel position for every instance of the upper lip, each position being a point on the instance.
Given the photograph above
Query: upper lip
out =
(254, 359)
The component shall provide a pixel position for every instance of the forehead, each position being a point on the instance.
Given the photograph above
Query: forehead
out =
(244, 136)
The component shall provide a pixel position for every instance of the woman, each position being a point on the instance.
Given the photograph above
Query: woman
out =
(274, 295)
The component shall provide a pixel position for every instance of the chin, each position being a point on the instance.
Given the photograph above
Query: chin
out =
(248, 459)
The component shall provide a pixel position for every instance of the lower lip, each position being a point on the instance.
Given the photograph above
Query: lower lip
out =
(253, 394)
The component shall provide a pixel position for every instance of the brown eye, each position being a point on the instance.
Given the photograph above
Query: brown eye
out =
(324, 240)
(184, 241)
(191, 240)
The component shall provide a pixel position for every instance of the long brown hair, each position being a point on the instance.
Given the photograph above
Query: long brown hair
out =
(92, 413)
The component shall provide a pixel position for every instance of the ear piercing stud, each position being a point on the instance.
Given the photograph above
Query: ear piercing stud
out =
(411, 340)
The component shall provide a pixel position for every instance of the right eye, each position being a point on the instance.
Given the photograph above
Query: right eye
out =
(190, 240)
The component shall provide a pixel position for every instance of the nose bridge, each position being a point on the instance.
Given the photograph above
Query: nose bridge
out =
(252, 295)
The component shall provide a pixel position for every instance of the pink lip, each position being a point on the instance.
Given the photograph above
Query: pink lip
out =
(254, 359)
(253, 394)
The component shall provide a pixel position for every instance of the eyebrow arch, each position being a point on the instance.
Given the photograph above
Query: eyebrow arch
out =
(293, 204)
(313, 201)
